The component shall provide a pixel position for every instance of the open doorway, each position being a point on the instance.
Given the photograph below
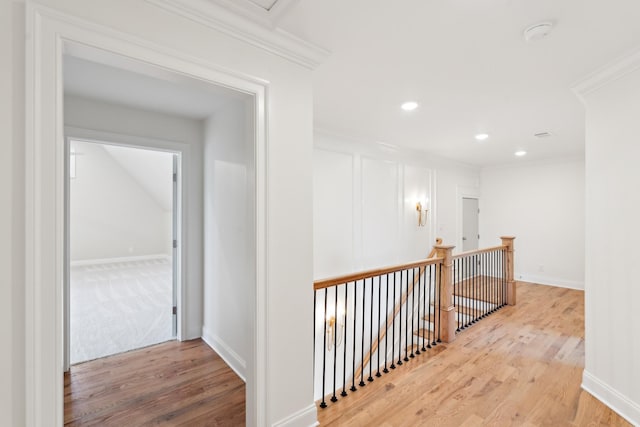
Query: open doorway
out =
(122, 211)
(114, 105)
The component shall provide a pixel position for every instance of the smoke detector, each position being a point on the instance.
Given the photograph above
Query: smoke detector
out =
(543, 134)
(537, 31)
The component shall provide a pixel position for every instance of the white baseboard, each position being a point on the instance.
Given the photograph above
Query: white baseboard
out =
(618, 402)
(307, 417)
(84, 262)
(235, 362)
(549, 281)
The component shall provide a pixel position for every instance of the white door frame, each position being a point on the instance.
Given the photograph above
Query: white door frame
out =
(49, 34)
(179, 215)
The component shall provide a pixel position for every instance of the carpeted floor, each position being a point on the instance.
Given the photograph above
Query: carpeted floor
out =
(119, 307)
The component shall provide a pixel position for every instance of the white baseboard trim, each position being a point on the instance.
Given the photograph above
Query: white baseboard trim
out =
(618, 402)
(84, 262)
(231, 358)
(307, 417)
(549, 281)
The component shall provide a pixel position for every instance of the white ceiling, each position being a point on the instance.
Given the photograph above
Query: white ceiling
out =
(466, 63)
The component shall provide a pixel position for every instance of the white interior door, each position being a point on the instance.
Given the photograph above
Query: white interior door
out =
(470, 212)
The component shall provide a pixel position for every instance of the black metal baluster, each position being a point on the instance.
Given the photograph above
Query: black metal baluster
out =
(353, 359)
(335, 342)
(430, 325)
(504, 278)
(323, 404)
(386, 322)
(495, 281)
(456, 291)
(413, 304)
(378, 326)
(484, 285)
(439, 302)
(371, 334)
(406, 319)
(465, 291)
(364, 291)
(400, 321)
(393, 324)
(493, 272)
(423, 279)
(474, 287)
(344, 347)
(419, 320)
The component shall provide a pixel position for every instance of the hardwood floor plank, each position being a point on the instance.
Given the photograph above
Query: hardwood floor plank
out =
(174, 383)
(521, 366)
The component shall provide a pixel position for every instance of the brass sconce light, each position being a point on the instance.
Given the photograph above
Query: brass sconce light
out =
(422, 214)
(334, 326)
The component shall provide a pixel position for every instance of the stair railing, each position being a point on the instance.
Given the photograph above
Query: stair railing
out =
(371, 322)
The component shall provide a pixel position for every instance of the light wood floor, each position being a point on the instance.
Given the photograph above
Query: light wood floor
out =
(175, 383)
(521, 366)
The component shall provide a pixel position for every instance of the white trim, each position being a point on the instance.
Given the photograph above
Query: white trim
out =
(606, 74)
(549, 281)
(102, 261)
(621, 404)
(275, 41)
(48, 32)
(231, 358)
(304, 417)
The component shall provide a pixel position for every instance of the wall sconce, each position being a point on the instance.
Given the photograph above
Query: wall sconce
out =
(422, 215)
(334, 326)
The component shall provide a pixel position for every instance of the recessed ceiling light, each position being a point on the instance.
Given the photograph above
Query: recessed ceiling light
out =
(409, 106)
(482, 136)
(520, 153)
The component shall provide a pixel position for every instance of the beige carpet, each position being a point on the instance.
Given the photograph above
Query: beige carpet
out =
(119, 307)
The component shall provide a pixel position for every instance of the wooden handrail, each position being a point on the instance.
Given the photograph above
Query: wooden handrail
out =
(479, 251)
(353, 277)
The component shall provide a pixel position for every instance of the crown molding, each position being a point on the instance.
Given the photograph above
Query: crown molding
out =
(606, 74)
(252, 26)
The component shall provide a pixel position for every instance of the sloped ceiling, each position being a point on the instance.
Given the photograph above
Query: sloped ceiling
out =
(153, 170)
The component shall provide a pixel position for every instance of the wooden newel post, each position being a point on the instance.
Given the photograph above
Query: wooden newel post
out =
(446, 321)
(507, 241)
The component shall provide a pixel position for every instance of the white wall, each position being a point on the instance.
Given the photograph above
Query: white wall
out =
(229, 242)
(542, 204)
(111, 214)
(365, 204)
(288, 188)
(612, 351)
(152, 129)
(12, 365)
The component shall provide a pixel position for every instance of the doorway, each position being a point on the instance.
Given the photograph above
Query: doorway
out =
(470, 213)
(122, 263)
(48, 120)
